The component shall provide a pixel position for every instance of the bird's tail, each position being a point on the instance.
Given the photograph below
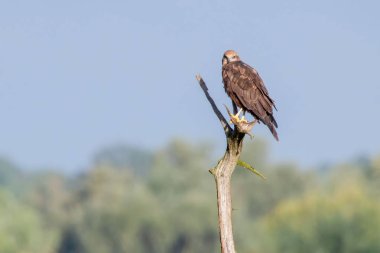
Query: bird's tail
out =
(272, 128)
(272, 125)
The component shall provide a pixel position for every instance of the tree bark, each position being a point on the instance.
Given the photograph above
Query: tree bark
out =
(222, 174)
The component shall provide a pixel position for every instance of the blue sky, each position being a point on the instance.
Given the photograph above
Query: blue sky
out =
(76, 76)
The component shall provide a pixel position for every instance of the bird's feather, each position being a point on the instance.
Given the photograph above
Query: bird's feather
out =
(245, 87)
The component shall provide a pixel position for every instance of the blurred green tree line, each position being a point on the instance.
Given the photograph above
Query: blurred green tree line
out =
(163, 201)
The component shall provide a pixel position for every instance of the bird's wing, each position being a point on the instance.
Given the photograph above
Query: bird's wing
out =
(255, 78)
(249, 88)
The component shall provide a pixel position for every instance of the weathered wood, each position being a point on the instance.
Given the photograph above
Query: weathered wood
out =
(227, 129)
(222, 174)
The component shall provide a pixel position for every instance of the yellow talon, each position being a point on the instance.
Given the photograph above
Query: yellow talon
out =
(243, 125)
(236, 116)
(237, 119)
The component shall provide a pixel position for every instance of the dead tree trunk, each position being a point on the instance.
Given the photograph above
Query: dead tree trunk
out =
(223, 172)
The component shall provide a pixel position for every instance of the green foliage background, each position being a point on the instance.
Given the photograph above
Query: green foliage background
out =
(163, 201)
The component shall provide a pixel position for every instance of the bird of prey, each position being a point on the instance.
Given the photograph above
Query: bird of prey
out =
(245, 87)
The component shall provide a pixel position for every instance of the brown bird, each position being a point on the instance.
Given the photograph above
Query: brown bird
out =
(245, 87)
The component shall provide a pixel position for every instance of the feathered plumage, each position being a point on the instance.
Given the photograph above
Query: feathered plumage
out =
(245, 87)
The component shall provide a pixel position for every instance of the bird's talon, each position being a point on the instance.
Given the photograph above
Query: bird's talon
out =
(235, 118)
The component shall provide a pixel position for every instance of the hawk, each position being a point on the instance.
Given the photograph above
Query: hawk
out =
(245, 87)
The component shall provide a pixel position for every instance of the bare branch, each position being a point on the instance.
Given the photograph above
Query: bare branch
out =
(227, 129)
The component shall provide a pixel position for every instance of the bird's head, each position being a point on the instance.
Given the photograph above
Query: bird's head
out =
(230, 56)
